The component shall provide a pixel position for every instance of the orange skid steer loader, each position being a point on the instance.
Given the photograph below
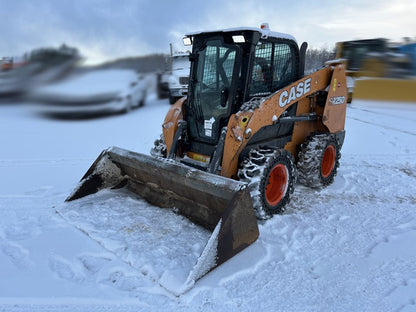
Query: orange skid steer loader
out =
(232, 151)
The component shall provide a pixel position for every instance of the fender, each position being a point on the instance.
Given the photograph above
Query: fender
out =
(171, 122)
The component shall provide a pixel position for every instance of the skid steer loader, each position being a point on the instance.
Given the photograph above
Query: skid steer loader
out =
(231, 152)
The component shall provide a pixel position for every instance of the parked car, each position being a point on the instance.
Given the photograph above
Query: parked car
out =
(94, 92)
(137, 93)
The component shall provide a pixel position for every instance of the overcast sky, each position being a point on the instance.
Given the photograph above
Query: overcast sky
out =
(107, 29)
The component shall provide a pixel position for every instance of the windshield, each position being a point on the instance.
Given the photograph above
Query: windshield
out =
(180, 62)
(211, 87)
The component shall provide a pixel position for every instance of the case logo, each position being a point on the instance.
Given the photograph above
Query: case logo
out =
(295, 92)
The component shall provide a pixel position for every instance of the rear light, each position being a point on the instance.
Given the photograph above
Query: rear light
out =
(265, 26)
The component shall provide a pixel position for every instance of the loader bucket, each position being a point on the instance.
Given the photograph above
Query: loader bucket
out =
(221, 205)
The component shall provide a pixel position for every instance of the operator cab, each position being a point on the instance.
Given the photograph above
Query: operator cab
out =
(228, 68)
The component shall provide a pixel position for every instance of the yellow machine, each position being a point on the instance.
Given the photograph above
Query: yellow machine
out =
(251, 126)
(377, 71)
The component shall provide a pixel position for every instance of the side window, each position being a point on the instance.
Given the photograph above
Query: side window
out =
(274, 68)
(283, 65)
(262, 70)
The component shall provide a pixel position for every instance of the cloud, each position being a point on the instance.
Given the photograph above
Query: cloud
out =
(106, 29)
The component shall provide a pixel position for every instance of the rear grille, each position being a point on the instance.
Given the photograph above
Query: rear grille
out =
(184, 80)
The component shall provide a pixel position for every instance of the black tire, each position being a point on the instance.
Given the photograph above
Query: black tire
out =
(271, 176)
(318, 160)
(159, 148)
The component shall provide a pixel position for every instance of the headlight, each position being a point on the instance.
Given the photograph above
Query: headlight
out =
(239, 39)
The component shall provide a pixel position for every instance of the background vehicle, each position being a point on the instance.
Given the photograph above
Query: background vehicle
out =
(388, 69)
(36, 69)
(6, 63)
(251, 115)
(178, 78)
(138, 92)
(356, 51)
(91, 93)
(162, 85)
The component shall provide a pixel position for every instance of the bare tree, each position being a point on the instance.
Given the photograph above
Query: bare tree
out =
(316, 58)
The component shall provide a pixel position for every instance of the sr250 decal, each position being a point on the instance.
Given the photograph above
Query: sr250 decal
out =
(337, 100)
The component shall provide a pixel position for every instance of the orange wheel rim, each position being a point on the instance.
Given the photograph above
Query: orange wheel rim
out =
(328, 161)
(277, 184)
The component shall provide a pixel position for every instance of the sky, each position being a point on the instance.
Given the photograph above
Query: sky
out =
(108, 29)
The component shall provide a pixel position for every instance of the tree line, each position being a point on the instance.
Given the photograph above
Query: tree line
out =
(315, 59)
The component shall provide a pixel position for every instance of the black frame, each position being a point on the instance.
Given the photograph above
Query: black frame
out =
(275, 135)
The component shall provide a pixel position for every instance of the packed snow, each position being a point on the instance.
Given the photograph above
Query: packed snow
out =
(349, 247)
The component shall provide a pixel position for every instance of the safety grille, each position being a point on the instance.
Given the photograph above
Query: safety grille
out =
(219, 66)
(274, 67)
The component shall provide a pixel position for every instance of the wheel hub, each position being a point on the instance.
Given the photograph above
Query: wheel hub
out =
(277, 184)
(328, 161)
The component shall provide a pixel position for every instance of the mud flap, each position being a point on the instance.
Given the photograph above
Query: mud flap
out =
(218, 204)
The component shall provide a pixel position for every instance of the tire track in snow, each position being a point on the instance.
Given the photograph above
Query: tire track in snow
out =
(381, 114)
(17, 254)
(384, 126)
(127, 227)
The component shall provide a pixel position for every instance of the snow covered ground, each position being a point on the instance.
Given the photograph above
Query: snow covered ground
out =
(350, 247)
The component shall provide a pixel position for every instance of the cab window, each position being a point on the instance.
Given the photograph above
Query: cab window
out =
(274, 67)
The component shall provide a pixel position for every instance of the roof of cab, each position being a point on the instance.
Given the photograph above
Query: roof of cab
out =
(265, 33)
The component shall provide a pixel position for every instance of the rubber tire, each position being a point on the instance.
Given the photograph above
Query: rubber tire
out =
(277, 182)
(318, 160)
(256, 170)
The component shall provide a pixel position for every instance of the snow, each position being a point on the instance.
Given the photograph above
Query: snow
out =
(349, 247)
(138, 237)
